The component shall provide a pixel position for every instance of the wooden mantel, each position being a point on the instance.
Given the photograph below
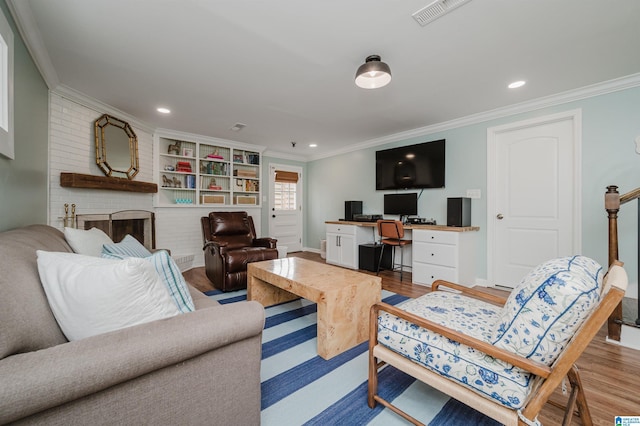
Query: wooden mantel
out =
(78, 180)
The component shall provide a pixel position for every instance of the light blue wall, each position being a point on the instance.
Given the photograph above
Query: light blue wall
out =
(23, 181)
(611, 122)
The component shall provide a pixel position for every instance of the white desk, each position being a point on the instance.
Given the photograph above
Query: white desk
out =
(438, 251)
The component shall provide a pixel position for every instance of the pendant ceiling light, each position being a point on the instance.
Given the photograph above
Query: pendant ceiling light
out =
(373, 73)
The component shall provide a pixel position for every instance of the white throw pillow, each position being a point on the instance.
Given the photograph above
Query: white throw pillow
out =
(87, 242)
(171, 276)
(90, 295)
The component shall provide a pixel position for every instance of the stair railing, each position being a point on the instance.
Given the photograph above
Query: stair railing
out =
(612, 202)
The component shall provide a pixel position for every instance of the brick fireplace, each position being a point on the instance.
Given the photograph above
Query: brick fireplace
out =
(137, 223)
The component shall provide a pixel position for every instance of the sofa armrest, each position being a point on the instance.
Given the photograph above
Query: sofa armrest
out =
(35, 381)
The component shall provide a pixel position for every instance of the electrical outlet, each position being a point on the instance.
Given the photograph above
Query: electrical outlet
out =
(473, 193)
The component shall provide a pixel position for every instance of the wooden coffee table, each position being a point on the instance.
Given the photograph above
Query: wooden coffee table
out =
(343, 297)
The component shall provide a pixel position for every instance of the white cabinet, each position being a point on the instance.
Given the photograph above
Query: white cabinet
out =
(343, 242)
(202, 173)
(445, 255)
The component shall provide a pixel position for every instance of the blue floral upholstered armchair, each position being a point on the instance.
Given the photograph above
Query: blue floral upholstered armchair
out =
(502, 357)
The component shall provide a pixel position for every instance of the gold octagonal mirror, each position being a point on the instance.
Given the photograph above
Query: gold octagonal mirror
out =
(116, 147)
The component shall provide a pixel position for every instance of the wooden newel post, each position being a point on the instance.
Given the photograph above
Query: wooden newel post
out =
(612, 206)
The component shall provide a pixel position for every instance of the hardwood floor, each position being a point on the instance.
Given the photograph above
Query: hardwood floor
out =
(610, 373)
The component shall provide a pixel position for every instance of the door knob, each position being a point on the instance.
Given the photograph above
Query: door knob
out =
(500, 216)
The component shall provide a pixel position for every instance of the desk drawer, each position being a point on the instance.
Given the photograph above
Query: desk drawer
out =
(440, 237)
(426, 274)
(438, 254)
(341, 229)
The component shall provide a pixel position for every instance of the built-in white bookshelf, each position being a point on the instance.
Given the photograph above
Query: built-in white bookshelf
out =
(200, 173)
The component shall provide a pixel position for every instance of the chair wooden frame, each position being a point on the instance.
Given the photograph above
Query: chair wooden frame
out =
(547, 380)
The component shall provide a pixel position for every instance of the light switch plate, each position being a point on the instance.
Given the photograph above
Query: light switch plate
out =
(473, 193)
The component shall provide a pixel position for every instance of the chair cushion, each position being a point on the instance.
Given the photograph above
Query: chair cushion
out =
(232, 228)
(484, 374)
(236, 260)
(545, 310)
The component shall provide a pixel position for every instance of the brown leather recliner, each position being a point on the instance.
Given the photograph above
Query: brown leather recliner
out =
(229, 244)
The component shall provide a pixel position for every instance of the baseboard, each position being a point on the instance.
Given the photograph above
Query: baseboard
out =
(480, 282)
(629, 337)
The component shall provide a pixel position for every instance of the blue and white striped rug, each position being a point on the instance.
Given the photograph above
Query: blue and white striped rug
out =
(300, 388)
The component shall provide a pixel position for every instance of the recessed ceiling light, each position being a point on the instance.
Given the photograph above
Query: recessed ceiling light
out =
(313, 145)
(517, 84)
(164, 110)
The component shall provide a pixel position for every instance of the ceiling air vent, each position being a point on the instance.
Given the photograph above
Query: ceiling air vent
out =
(237, 127)
(436, 9)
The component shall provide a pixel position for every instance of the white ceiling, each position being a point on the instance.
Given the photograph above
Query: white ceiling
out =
(286, 68)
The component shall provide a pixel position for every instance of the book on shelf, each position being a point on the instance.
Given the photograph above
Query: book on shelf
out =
(253, 158)
(215, 156)
(219, 169)
(246, 173)
(183, 166)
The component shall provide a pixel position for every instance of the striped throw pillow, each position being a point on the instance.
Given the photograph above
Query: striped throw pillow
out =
(128, 247)
(173, 279)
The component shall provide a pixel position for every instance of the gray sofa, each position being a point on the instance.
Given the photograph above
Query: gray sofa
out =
(197, 368)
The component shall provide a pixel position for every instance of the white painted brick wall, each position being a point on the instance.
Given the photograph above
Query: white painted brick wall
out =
(72, 149)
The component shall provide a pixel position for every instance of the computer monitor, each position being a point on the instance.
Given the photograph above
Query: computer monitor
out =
(401, 204)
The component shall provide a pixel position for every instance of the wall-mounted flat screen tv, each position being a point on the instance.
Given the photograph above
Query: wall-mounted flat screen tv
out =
(412, 166)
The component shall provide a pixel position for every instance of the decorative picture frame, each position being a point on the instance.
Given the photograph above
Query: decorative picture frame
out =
(187, 152)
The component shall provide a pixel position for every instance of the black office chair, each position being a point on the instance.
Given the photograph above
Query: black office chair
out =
(391, 233)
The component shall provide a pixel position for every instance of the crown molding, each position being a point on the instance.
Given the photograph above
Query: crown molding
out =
(590, 91)
(92, 103)
(24, 20)
(285, 156)
(175, 134)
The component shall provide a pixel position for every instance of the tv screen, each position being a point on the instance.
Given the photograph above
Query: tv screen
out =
(401, 204)
(411, 166)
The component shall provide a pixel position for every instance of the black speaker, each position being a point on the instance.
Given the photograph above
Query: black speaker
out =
(459, 211)
(352, 208)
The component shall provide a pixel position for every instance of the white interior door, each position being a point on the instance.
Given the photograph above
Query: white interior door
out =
(533, 179)
(285, 215)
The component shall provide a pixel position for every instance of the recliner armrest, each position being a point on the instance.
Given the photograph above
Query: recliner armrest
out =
(215, 246)
(265, 242)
